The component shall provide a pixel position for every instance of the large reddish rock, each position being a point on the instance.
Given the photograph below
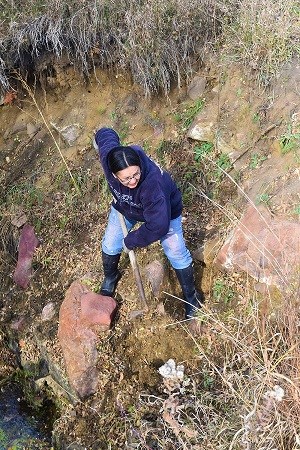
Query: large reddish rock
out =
(27, 245)
(265, 247)
(82, 315)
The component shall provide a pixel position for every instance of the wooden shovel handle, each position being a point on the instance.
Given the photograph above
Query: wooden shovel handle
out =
(134, 266)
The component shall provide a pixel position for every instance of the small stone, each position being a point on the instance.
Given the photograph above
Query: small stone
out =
(32, 129)
(202, 132)
(69, 133)
(18, 324)
(207, 251)
(19, 219)
(50, 382)
(196, 88)
(19, 125)
(160, 309)
(216, 89)
(155, 274)
(48, 312)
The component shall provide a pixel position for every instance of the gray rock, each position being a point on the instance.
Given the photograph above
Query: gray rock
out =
(204, 124)
(20, 125)
(48, 312)
(202, 131)
(196, 88)
(32, 129)
(19, 218)
(155, 273)
(51, 383)
(69, 133)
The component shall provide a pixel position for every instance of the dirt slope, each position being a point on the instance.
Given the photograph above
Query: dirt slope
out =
(36, 182)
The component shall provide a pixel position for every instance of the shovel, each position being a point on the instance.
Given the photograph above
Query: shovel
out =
(135, 268)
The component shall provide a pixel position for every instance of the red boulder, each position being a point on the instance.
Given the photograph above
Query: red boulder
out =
(266, 247)
(28, 243)
(82, 314)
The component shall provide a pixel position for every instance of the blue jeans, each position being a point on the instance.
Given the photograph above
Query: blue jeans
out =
(172, 243)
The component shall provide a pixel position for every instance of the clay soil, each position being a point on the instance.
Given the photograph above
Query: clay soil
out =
(69, 224)
(126, 410)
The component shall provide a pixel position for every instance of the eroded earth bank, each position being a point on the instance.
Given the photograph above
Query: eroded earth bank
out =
(234, 151)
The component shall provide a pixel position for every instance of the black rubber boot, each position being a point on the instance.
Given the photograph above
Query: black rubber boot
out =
(111, 274)
(193, 297)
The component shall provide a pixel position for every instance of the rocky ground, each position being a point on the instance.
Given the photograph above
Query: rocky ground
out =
(47, 134)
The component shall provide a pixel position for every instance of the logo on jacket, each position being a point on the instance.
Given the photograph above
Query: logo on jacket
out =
(125, 198)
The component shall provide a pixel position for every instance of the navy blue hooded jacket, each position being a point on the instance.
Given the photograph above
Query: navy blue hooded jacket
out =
(154, 201)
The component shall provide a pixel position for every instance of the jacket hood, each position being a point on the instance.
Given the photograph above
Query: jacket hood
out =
(143, 159)
(107, 140)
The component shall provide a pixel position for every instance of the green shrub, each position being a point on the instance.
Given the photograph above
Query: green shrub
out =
(223, 164)
(189, 114)
(3, 438)
(202, 150)
(289, 141)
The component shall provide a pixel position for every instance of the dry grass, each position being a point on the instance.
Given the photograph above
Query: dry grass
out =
(246, 395)
(259, 353)
(264, 35)
(158, 43)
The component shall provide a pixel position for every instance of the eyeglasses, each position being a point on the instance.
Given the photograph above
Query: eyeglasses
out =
(127, 180)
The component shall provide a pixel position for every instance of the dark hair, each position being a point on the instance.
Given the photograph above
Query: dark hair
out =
(121, 157)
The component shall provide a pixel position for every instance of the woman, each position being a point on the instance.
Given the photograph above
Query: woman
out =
(144, 193)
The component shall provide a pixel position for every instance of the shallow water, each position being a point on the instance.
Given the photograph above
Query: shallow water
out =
(18, 428)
